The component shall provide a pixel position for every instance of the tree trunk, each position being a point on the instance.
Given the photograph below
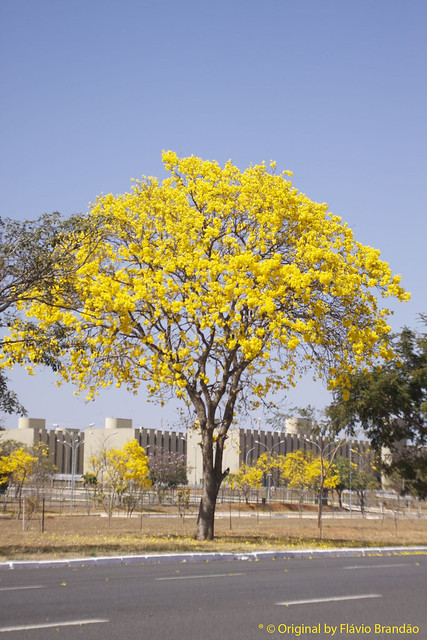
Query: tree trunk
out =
(206, 517)
(212, 478)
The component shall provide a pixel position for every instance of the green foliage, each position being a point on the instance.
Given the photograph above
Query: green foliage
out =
(389, 402)
(345, 471)
(28, 271)
(409, 474)
(360, 477)
(89, 479)
(9, 402)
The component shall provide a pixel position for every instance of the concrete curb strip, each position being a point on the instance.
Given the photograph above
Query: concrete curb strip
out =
(211, 557)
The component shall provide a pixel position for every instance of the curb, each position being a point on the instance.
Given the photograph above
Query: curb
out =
(212, 557)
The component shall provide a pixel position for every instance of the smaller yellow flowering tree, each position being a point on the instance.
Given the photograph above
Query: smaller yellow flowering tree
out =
(303, 470)
(246, 478)
(121, 474)
(271, 465)
(18, 468)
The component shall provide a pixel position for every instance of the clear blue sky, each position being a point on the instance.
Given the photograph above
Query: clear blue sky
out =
(93, 90)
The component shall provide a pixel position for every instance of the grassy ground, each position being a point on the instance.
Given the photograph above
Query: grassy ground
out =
(77, 536)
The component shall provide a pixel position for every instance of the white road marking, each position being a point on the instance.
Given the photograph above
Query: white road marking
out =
(380, 566)
(334, 599)
(47, 625)
(35, 586)
(213, 575)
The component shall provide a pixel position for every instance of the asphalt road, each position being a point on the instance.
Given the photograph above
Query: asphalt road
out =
(318, 598)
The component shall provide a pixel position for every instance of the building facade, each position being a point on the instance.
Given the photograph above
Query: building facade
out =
(71, 450)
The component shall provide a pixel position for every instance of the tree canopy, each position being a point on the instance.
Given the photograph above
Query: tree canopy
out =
(389, 401)
(29, 266)
(215, 284)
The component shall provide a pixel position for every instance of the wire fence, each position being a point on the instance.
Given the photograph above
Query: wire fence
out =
(62, 499)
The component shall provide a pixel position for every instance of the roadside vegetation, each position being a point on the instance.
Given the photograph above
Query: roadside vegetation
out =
(82, 536)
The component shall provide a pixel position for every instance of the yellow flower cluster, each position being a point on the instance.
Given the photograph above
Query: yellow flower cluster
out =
(209, 272)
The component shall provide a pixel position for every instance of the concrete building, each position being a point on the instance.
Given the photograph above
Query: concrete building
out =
(245, 446)
(68, 446)
(66, 443)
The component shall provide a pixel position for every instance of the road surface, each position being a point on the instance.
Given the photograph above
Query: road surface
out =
(316, 598)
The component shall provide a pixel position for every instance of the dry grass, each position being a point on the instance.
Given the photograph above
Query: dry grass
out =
(78, 536)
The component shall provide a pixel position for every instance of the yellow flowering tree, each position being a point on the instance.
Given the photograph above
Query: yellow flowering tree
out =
(271, 464)
(246, 478)
(215, 283)
(303, 470)
(122, 473)
(18, 468)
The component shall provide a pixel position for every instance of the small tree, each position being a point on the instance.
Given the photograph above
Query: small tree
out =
(44, 470)
(90, 483)
(324, 433)
(121, 472)
(364, 481)
(345, 471)
(6, 448)
(294, 473)
(183, 500)
(303, 470)
(246, 478)
(17, 469)
(360, 476)
(167, 470)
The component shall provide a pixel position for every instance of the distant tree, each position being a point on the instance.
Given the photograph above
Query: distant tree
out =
(7, 445)
(246, 478)
(407, 475)
(345, 469)
(119, 473)
(364, 481)
(17, 469)
(218, 285)
(29, 269)
(168, 469)
(360, 479)
(322, 435)
(390, 404)
(89, 479)
(183, 500)
(20, 466)
(304, 470)
(271, 464)
(45, 469)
